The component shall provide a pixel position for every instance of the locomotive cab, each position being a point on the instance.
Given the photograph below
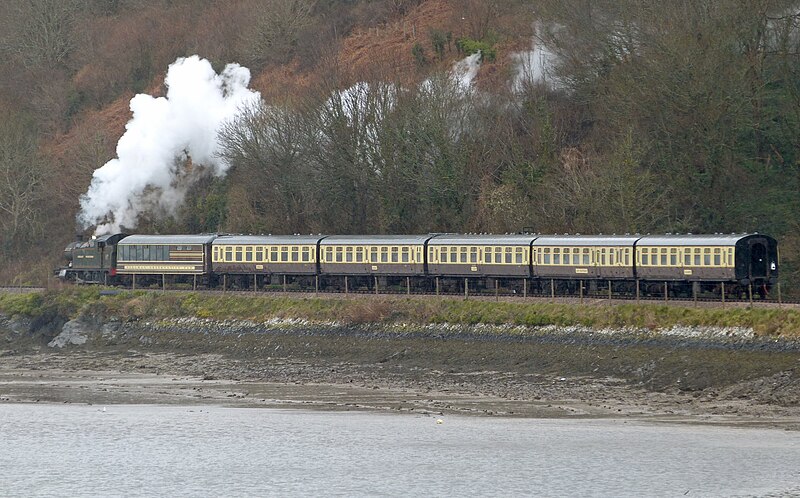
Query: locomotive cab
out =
(92, 261)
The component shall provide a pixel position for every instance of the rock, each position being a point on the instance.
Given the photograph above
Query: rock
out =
(73, 332)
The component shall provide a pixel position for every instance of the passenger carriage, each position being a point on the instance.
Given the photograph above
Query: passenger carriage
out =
(187, 257)
(265, 254)
(452, 255)
(740, 258)
(367, 262)
(385, 255)
(584, 257)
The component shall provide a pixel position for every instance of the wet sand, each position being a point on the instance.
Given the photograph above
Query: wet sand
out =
(158, 377)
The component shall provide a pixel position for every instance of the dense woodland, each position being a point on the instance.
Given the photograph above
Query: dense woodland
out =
(679, 116)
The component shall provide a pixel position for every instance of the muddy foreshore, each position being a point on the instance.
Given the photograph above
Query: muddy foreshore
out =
(703, 375)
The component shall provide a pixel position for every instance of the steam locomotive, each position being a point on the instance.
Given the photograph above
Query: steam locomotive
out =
(527, 263)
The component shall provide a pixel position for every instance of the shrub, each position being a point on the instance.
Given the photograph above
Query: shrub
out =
(419, 55)
(468, 46)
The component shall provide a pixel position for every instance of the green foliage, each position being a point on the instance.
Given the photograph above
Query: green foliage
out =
(134, 305)
(419, 55)
(21, 304)
(440, 41)
(469, 46)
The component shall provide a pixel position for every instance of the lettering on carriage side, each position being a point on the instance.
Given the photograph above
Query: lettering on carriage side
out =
(159, 267)
(374, 267)
(259, 267)
(687, 272)
(581, 270)
(474, 268)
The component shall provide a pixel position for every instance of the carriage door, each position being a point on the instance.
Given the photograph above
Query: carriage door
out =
(758, 260)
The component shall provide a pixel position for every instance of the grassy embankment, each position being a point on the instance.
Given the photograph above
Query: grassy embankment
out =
(136, 305)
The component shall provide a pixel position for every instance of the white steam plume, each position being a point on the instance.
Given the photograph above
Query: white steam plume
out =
(535, 65)
(465, 70)
(164, 132)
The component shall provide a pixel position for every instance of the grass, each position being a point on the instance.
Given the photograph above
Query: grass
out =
(137, 305)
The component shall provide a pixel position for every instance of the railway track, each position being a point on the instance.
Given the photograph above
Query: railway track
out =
(20, 289)
(589, 299)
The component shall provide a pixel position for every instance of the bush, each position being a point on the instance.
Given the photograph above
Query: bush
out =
(419, 55)
(468, 46)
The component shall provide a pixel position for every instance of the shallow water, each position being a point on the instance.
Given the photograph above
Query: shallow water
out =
(134, 450)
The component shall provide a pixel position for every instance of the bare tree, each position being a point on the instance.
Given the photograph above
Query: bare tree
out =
(276, 31)
(20, 182)
(40, 33)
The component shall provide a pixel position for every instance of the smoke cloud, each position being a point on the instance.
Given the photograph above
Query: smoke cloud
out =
(168, 144)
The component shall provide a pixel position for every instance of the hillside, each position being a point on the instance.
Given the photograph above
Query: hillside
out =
(611, 117)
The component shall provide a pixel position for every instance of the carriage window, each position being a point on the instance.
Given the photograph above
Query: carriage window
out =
(707, 256)
(373, 254)
(273, 254)
(546, 255)
(462, 254)
(359, 254)
(663, 256)
(248, 254)
(284, 254)
(259, 254)
(295, 254)
(586, 259)
(238, 252)
(339, 254)
(146, 253)
(518, 256)
(687, 257)
(442, 253)
(473, 255)
(556, 255)
(673, 257)
(696, 251)
(612, 255)
(730, 257)
(215, 254)
(228, 253)
(487, 254)
(404, 254)
(384, 254)
(395, 251)
(305, 254)
(348, 254)
(645, 257)
(717, 257)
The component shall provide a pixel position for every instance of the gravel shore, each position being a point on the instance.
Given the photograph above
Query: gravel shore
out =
(698, 375)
